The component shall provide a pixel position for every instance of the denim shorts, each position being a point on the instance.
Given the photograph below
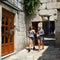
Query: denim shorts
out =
(40, 38)
(32, 38)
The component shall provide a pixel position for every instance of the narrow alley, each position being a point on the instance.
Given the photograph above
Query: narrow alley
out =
(49, 53)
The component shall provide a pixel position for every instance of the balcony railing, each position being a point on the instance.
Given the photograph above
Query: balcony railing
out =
(12, 3)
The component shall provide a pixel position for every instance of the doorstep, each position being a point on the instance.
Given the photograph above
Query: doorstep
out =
(49, 38)
(8, 55)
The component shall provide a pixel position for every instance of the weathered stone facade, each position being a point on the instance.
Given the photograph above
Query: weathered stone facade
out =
(20, 26)
(53, 8)
(48, 8)
(57, 26)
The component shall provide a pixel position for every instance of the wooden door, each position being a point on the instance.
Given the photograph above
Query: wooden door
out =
(7, 32)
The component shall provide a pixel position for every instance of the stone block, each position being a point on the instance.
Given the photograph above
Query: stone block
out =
(57, 28)
(57, 36)
(57, 23)
(44, 1)
(53, 18)
(58, 5)
(48, 12)
(53, 5)
(43, 6)
(53, 0)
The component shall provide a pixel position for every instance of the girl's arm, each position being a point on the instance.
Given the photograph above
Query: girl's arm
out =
(28, 34)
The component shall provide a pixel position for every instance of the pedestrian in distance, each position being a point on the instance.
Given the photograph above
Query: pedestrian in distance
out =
(31, 33)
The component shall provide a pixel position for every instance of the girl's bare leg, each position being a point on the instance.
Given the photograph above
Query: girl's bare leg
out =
(30, 44)
(39, 44)
(42, 44)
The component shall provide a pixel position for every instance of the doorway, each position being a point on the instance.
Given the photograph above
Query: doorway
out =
(7, 30)
(49, 27)
(35, 25)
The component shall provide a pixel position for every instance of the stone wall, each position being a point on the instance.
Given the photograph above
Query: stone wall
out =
(20, 27)
(52, 7)
(44, 1)
(57, 26)
(46, 7)
(49, 7)
(20, 32)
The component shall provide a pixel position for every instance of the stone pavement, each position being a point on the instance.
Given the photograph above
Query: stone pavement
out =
(49, 53)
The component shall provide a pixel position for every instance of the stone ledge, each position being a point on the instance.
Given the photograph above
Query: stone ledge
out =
(48, 12)
(45, 1)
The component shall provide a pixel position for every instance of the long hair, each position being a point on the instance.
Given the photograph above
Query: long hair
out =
(40, 27)
(30, 28)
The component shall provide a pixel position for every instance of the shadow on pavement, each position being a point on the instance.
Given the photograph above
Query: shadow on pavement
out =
(51, 53)
(49, 42)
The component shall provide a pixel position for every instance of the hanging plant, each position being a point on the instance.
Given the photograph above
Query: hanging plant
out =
(30, 6)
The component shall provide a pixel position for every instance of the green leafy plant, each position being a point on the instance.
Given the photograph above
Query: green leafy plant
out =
(30, 6)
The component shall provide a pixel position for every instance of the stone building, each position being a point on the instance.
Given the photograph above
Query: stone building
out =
(47, 13)
(13, 23)
(12, 27)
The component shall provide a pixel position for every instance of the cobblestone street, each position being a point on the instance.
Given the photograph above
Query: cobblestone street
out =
(49, 53)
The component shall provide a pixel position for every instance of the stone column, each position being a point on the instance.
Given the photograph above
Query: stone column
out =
(57, 29)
